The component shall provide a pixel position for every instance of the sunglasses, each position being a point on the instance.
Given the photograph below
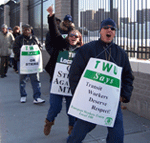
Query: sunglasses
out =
(71, 35)
(107, 27)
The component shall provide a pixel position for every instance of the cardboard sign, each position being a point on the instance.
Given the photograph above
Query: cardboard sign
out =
(60, 82)
(97, 95)
(30, 59)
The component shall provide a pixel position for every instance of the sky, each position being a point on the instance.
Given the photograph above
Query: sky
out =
(96, 4)
(3, 1)
(122, 5)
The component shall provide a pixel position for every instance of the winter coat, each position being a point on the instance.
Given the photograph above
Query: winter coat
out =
(65, 30)
(16, 35)
(24, 40)
(59, 44)
(48, 44)
(6, 43)
(117, 56)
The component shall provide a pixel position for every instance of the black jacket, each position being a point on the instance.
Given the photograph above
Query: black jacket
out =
(16, 35)
(96, 49)
(23, 40)
(48, 44)
(58, 44)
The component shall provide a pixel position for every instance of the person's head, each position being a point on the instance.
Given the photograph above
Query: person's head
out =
(4, 28)
(27, 30)
(16, 30)
(75, 38)
(68, 20)
(107, 30)
(9, 29)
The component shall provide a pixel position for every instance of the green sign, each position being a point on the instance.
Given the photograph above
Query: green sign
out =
(30, 53)
(102, 78)
(65, 57)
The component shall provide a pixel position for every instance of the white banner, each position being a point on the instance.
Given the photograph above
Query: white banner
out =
(60, 82)
(97, 95)
(30, 59)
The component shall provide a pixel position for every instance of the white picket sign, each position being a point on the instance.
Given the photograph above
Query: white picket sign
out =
(30, 59)
(97, 95)
(60, 82)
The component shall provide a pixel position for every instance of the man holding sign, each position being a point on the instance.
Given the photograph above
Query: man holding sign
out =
(27, 53)
(100, 78)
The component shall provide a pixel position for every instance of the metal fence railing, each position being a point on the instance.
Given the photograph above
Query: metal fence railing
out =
(131, 16)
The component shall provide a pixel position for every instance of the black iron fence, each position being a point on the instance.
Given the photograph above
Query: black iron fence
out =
(131, 16)
(14, 14)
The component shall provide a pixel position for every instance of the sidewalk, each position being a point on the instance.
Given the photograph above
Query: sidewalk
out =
(24, 122)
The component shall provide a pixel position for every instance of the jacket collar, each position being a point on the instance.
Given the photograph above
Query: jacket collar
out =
(27, 37)
(5, 33)
(105, 44)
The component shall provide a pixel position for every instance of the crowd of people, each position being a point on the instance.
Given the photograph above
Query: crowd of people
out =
(64, 40)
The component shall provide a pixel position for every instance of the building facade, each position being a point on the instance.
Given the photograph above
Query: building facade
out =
(92, 19)
(33, 12)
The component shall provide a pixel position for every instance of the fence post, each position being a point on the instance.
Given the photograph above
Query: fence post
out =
(111, 9)
(72, 9)
(41, 21)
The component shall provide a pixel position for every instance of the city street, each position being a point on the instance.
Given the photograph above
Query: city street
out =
(24, 122)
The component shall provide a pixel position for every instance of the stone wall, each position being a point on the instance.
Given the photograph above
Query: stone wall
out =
(140, 99)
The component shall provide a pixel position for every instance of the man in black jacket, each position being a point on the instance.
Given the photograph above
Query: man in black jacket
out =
(27, 39)
(105, 49)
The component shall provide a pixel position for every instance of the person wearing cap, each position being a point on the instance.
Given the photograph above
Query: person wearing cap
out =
(10, 29)
(64, 28)
(66, 25)
(105, 49)
(6, 44)
(27, 38)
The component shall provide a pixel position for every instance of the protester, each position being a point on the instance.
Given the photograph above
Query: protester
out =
(105, 49)
(16, 32)
(11, 58)
(66, 25)
(69, 44)
(6, 42)
(64, 28)
(28, 39)
(10, 29)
